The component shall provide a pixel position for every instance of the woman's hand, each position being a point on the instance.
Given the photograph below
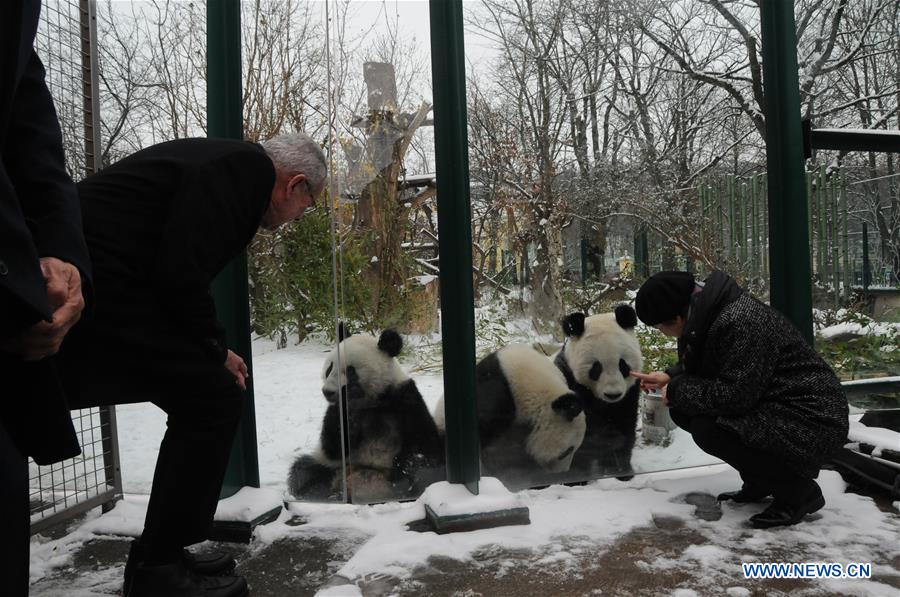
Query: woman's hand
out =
(652, 381)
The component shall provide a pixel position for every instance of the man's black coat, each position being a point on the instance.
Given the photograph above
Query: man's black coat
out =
(160, 225)
(39, 217)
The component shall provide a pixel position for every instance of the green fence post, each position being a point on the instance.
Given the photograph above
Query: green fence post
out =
(822, 220)
(230, 290)
(845, 237)
(867, 274)
(791, 291)
(455, 243)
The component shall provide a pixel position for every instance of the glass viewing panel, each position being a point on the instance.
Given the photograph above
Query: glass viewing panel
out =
(595, 161)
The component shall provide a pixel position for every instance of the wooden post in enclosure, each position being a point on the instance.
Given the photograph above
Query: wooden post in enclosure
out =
(379, 213)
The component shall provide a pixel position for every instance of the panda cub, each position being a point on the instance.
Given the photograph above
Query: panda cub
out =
(530, 423)
(599, 353)
(391, 444)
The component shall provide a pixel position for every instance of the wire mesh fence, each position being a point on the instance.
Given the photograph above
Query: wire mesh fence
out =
(65, 44)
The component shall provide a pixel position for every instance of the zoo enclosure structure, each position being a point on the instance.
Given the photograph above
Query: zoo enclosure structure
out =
(788, 253)
(66, 44)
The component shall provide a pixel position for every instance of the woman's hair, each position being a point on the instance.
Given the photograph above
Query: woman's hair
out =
(297, 152)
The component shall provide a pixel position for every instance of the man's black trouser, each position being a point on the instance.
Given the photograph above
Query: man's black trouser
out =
(14, 518)
(760, 470)
(156, 363)
(190, 468)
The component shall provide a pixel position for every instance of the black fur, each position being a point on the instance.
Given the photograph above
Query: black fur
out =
(390, 342)
(573, 324)
(503, 440)
(568, 406)
(626, 317)
(343, 332)
(399, 419)
(611, 430)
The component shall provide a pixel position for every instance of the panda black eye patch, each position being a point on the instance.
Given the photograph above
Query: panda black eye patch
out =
(624, 368)
(330, 367)
(596, 370)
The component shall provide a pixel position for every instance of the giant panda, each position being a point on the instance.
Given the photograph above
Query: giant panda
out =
(529, 422)
(391, 445)
(599, 353)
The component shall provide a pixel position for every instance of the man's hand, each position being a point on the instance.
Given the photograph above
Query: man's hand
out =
(652, 381)
(238, 368)
(65, 299)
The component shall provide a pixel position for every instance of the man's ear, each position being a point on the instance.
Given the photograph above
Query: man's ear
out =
(295, 180)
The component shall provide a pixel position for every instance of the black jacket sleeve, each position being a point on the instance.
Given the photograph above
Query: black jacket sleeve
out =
(35, 163)
(740, 381)
(213, 217)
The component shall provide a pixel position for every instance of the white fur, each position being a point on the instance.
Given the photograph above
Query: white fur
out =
(377, 370)
(604, 340)
(535, 383)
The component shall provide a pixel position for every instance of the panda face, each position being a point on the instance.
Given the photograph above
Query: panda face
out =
(366, 362)
(601, 350)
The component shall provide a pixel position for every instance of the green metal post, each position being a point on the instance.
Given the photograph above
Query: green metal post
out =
(455, 244)
(791, 291)
(835, 241)
(845, 236)
(867, 274)
(754, 216)
(225, 120)
(822, 231)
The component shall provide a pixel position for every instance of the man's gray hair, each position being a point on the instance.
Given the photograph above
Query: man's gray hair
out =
(297, 152)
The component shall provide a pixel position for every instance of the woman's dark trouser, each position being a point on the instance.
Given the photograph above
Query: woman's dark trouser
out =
(758, 469)
(14, 518)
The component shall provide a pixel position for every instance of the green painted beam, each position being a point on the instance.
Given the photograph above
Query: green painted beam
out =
(455, 244)
(791, 291)
(230, 289)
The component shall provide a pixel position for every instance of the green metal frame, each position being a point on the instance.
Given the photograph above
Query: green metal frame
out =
(455, 243)
(791, 290)
(230, 288)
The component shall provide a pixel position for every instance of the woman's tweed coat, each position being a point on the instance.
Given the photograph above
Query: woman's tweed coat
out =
(756, 374)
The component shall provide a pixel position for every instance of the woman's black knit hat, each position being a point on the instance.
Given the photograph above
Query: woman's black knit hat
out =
(664, 296)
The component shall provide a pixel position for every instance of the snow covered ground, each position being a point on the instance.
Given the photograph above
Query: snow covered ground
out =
(571, 527)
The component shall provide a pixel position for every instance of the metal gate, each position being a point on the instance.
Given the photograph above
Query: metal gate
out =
(66, 44)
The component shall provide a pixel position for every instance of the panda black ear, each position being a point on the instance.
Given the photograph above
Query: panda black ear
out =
(568, 406)
(343, 332)
(626, 317)
(390, 342)
(573, 324)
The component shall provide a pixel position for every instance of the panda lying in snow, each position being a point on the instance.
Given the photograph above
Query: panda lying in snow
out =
(596, 359)
(529, 422)
(392, 447)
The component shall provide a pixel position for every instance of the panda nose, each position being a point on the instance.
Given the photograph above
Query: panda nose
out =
(330, 395)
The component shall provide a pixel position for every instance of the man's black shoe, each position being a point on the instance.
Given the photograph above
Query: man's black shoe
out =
(175, 580)
(212, 563)
(745, 495)
(781, 514)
